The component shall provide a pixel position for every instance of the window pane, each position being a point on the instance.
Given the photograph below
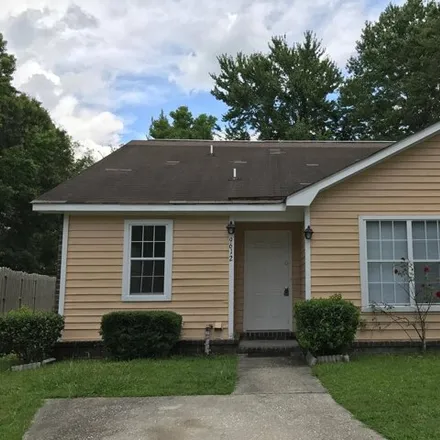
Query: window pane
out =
(148, 233)
(431, 230)
(373, 250)
(387, 272)
(159, 234)
(387, 250)
(427, 283)
(374, 293)
(402, 293)
(373, 230)
(399, 230)
(136, 268)
(400, 250)
(388, 293)
(136, 249)
(159, 268)
(374, 272)
(159, 249)
(432, 250)
(419, 249)
(148, 268)
(136, 233)
(135, 285)
(386, 230)
(158, 285)
(418, 230)
(148, 250)
(146, 284)
(419, 272)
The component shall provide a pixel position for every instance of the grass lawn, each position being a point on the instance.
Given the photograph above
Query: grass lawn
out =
(397, 396)
(22, 392)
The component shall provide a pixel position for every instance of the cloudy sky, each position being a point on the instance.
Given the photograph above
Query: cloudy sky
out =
(103, 68)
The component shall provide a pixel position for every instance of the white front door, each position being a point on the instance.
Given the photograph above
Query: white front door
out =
(267, 281)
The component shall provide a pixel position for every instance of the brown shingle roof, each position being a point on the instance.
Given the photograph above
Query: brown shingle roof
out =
(164, 171)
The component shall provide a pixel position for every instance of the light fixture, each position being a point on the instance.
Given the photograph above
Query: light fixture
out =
(308, 232)
(231, 228)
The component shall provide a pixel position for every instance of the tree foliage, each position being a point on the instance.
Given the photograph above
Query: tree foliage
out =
(35, 156)
(393, 88)
(183, 125)
(284, 94)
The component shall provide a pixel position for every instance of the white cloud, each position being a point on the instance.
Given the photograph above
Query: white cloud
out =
(87, 59)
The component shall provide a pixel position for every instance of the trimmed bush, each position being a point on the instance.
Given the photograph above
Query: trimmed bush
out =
(139, 334)
(326, 326)
(30, 335)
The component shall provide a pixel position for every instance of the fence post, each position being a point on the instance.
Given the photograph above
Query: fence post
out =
(34, 296)
(3, 296)
(20, 298)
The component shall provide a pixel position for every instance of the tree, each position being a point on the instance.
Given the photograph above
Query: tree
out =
(35, 156)
(284, 94)
(393, 88)
(183, 125)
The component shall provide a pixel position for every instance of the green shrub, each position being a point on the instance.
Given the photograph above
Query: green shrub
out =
(130, 335)
(32, 335)
(326, 326)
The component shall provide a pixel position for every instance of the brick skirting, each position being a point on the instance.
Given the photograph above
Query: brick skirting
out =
(96, 349)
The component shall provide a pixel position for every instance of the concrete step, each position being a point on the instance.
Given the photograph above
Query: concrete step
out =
(269, 347)
(266, 335)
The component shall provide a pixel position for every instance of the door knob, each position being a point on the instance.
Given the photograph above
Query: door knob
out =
(286, 291)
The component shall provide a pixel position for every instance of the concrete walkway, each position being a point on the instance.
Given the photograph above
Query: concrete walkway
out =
(274, 400)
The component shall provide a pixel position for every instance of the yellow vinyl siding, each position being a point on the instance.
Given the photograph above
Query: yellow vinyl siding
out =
(296, 229)
(200, 274)
(406, 184)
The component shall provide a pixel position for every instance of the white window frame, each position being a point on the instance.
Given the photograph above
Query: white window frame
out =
(128, 224)
(366, 307)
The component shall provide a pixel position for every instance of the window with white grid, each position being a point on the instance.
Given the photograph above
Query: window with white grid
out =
(387, 243)
(147, 260)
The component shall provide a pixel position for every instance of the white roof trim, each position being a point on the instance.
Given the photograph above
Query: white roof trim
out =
(306, 196)
(231, 207)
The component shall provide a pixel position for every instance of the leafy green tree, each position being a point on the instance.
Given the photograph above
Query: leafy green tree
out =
(393, 88)
(35, 156)
(284, 94)
(183, 125)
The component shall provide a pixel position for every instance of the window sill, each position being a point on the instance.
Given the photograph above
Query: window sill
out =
(146, 298)
(399, 309)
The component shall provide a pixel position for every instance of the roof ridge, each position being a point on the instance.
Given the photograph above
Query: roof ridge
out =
(259, 141)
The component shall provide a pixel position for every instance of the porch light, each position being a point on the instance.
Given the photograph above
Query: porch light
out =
(231, 228)
(308, 232)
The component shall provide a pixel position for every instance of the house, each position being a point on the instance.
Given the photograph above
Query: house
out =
(216, 231)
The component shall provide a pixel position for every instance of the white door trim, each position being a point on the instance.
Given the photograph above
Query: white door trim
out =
(246, 298)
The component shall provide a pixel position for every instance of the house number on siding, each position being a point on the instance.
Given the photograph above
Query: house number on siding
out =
(231, 248)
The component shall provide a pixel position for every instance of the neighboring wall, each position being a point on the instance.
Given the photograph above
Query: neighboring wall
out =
(297, 264)
(94, 274)
(407, 184)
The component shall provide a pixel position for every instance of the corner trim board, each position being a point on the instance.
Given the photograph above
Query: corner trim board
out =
(63, 271)
(307, 258)
(231, 257)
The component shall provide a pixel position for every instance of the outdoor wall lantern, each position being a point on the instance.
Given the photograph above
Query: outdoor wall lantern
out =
(231, 228)
(308, 232)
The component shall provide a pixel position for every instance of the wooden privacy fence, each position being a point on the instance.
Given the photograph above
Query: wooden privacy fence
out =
(19, 289)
